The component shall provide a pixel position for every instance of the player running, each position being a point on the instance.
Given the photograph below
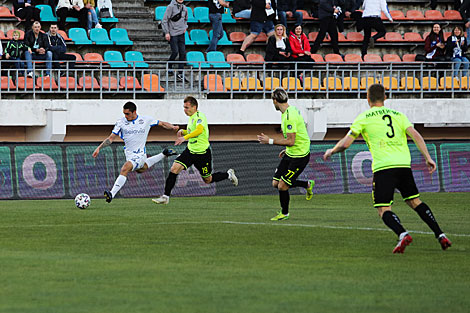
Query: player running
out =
(197, 152)
(296, 155)
(134, 130)
(384, 131)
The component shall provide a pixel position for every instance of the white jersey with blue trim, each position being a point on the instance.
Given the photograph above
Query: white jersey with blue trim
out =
(134, 133)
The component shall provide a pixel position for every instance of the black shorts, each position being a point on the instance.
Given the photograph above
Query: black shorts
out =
(385, 182)
(289, 168)
(203, 161)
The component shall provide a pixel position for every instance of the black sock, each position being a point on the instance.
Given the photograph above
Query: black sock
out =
(284, 198)
(300, 183)
(393, 222)
(426, 215)
(219, 176)
(170, 183)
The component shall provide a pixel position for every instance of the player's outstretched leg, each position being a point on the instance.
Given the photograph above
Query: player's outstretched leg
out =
(403, 241)
(393, 222)
(232, 177)
(219, 176)
(151, 161)
(120, 181)
(427, 216)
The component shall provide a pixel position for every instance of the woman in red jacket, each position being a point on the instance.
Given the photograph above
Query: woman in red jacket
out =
(300, 47)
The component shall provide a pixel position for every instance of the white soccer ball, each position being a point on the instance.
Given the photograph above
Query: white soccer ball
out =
(82, 201)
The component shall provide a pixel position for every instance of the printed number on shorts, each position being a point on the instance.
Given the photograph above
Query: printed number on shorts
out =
(204, 170)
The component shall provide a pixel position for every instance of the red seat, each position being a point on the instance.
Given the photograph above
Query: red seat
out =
(214, 82)
(46, 83)
(67, 82)
(110, 83)
(425, 35)
(393, 37)
(433, 15)
(9, 34)
(129, 82)
(318, 58)
(22, 84)
(313, 35)
(254, 58)
(409, 57)
(88, 82)
(352, 58)
(64, 35)
(262, 38)
(413, 37)
(452, 15)
(414, 15)
(7, 83)
(391, 58)
(237, 36)
(5, 12)
(448, 34)
(78, 56)
(93, 58)
(341, 37)
(372, 58)
(333, 58)
(2, 35)
(235, 58)
(355, 37)
(150, 82)
(305, 15)
(397, 15)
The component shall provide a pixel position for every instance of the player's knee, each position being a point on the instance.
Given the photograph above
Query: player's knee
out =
(275, 183)
(413, 203)
(282, 186)
(208, 180)
(381, 210)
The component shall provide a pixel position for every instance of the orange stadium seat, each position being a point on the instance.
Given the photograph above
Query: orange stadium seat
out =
(409, 57)
(254, 58)
(391, 58)
(151, 83)
(414, 15)
(129, 83)
(110, 83)
(88, 83)
(237, 36)
(93, 58)
(46, 83)
(341, 37)
(311, 83)
(397, 15)
(313, 35)
(291, 84)
(433, 15)
(7, 83)
(355, 37)
(333, 58)
(22, 84)
(5, 12)
(305, 15)
(410, 83)
(352, 58)
(393, 37)
(235, 58)
(271, 83)
(425, 34)
(261, 38)
(413, 37)
(351, 83)
(213, 82)
(452, 15)
(372, 58)
(447, 35)
(64, 35)
(390, 83)
(67, 82)
(78, 57)
(318, 58)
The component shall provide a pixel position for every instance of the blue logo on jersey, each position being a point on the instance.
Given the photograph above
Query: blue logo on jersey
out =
(289, 126)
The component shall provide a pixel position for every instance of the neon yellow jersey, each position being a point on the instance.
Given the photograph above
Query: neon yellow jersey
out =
(200, 143)
(384, 131)
(293, 122)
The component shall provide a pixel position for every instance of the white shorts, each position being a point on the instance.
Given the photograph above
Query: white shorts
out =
(137, 160)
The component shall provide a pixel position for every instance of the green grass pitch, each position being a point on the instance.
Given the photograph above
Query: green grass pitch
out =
(223, 254)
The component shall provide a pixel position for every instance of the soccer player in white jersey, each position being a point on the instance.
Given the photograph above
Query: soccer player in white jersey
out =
(133, 129)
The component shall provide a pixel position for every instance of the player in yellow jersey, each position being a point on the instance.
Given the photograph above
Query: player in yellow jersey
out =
(385, 132)
(198, 152)
(296, 155)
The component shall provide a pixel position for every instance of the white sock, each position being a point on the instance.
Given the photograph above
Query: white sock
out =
(155, 159)
(120, 181)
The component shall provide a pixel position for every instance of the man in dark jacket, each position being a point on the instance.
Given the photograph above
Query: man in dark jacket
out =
(326, 9)
(288, 8)
(38, 49)
(26, 9)
(263, 14)
(59, 48)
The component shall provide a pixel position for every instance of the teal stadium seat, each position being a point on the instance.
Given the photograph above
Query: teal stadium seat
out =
(107, 19)
(100, 36)
(202, 14)
(79, 36)
(135, 58)
(114, 59)
(46, 14)
(193, 57)
(191, 18)
(199, 36)
(217, 59)
(159, 12)
(224, 41)
(120, 37)
(227, 17)
(187, 41)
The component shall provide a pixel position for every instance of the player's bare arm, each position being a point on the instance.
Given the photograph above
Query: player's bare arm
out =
(421, 144)
(342, 145)
(108, 141)
(168, 126)
(289, 141)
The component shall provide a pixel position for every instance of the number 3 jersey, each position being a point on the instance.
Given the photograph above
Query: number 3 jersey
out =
(134, 133)
(384, 131)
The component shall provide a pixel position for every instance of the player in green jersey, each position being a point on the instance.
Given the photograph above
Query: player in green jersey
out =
(197, 152)
(385, 132)
(295, 157)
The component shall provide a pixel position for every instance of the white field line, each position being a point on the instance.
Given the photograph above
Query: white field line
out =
(277, 224)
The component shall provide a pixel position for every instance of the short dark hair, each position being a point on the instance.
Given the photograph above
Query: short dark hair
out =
(280, 95)
(130, 106)
(376, 93)
(192, 101)
(53, 24)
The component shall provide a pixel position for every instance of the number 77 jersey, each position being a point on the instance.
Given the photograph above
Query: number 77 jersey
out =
(384, 131)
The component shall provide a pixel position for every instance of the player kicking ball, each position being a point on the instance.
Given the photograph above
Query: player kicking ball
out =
(198, 152)
(134, 130)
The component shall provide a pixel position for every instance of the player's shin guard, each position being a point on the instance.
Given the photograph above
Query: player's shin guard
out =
(284, 198)
(170, 183)
(120, 181)
(426, 215)
(393, 222)
(155, 159)
(300, 183)
(219, 176)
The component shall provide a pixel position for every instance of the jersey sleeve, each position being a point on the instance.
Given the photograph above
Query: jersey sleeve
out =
(117, 129)
(291, 124)
(405, 122)
(356, 127)
(153, 122)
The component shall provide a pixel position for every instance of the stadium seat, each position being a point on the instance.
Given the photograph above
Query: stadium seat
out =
(46, 14)
(313, 35)
(222, 41)
(447, 35)
(88, 83)
(254, 58)
(291, 84)
(109, 83)
(217, 59)
(409, 83)
(227, 17)
(351, 83)
(311, 83)
(67, 83)
(2, 35)
(46, 83)
(64, 35)
(7, 83)
(397, 15)
(99, 36)
(341, 38)
(390, 83)
(318, 58)
(5, 12)
(106, 19)
(233, 83)
(262, 38)
(331, 83)
(372, 58)
(129, 83)
(187, 40)
(433, 15)
(464, 82)
(391, 58)
(151, 83)
(355, 37)
(135, 58)
(196, 59)
(114, 59)
(191, 18)
(393, 37)
(414, 15)
(79, 36)
(159, 12)
(305, 15)
(199, 36)
(202, 14)
(452, 15)
(333, 58)
(413, 37)
(271, 83)
(93, 58)
(368, 81)
(214, 82)
(251, 84)
(352, 58)
(235, 58)
(237, 36)
(449, 83)
(25, 85)
(9, 34)
(120, 37)
(409, 57)
(429, 83)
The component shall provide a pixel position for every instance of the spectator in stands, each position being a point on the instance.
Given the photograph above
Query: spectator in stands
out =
(15, 50)
(242, 8)
(456, 46)
(72, 8)
(326, 11)
(465, 13)
(59, 48)
(174, 24)
(434, 46)
(25, 9)
(92, 17)
(216, 9)
(457, 4)
(263, 13)
(288, 8)
(105, 7)
(300, 46)
(371, 17)
(278, 48)
(38, 49)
